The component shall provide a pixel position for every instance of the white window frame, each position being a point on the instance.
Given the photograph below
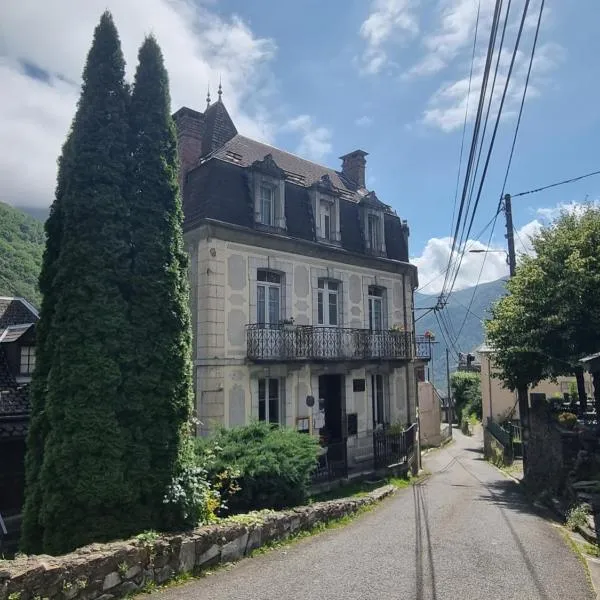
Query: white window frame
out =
(269, 288)
(328, 289)
(374, 231)
(376, 296)
(266, 189)
(277, 188)
(326, 220)
(264, 390)
(27, 360)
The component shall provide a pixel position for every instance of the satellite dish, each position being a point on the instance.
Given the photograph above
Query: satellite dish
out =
(310, 401)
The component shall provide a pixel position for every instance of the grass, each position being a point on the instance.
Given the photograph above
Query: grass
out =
(579, 553)
(357, 489)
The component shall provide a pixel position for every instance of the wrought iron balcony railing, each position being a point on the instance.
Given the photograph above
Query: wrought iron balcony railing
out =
(423, 347)
(307, 342)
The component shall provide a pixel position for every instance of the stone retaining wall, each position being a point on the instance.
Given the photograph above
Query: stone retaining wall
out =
(109, 571)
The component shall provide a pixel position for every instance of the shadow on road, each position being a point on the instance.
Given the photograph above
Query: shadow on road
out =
(422, 526)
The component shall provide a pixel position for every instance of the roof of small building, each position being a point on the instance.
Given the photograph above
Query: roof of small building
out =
(13, 332)
(16, 311)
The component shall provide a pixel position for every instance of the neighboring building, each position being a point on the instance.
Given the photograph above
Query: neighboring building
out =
(301, 288)
(498, 401)
(17, 360)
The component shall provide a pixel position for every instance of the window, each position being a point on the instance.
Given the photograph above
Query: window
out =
(374, 232)
(328, 303)
(267, 205)
(27, 360)
(325, 221)
(375, 308)
(377, 390)
(268, 301)
(270, 402)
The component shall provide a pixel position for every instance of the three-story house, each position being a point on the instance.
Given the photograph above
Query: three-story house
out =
(301, 289)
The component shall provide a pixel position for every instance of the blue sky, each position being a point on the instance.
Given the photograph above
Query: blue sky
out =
(323, 78)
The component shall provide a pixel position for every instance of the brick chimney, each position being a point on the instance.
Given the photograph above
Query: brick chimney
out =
(353, 167)
(190, 125)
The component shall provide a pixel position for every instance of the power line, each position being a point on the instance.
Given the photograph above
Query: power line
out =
(477, 125)
(489, 154)
(514, 142)
(462, 142)
(546, 187)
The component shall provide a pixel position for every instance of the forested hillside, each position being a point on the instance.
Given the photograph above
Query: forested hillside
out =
(21, 247)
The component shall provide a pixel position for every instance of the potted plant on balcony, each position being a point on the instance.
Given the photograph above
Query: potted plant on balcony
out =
(287, 323)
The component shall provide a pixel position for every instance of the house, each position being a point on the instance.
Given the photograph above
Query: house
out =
(301, 289)
(499, 402)
(17, 360)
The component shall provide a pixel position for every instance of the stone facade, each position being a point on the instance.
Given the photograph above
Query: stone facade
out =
(110, 571)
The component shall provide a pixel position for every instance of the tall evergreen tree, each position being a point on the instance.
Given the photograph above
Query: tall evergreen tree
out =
(32, 531)
(83, 490)
(158, 388)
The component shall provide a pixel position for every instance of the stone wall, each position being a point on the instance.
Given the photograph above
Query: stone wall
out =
(110, 571)
(495, 451)
(545, 460)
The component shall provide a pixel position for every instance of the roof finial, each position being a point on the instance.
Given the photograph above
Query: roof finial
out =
(220, 92)
(208, 96)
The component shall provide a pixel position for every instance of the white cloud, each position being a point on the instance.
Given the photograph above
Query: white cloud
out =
(433, 261)
(388, 21)
(315, 142)
(199, 46)
(454, 32)
(364, 121)
(446, 108)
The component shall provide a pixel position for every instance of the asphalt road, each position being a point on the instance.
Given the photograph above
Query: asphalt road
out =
(463, 534)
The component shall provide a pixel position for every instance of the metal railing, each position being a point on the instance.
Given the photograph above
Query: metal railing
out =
(365, 453)
(307, 342)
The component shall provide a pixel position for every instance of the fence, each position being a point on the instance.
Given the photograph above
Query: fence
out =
(365, 453)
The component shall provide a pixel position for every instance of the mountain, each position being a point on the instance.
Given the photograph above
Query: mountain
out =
(471, 333)
(22, 240)
(41, 214)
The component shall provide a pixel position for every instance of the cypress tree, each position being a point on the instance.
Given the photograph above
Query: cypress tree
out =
(159, 384)
(32, 531)
(83, 491)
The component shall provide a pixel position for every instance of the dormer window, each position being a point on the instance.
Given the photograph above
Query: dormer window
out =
(326, 209)
(372, 217)
(268, 184)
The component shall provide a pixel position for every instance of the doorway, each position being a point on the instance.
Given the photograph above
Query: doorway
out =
(331, 391)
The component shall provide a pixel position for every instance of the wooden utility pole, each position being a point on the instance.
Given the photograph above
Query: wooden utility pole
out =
(522, 390)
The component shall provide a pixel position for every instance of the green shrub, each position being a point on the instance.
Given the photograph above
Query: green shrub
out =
(466, 391)
(567, 420)
(274, 465)
(577, 516)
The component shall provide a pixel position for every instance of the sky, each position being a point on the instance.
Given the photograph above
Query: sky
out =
(321, 79)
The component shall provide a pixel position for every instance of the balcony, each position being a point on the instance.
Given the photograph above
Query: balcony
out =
(276, 343)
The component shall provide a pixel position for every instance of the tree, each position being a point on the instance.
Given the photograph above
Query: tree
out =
(466, 391)
(84, 494)
(32, 530)
(159, 379)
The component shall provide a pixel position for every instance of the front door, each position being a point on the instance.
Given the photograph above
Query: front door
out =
(331, 391)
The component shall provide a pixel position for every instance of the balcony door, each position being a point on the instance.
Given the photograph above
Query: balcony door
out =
(328, 319)
(268, 301)
(268, 309)
(376, 314)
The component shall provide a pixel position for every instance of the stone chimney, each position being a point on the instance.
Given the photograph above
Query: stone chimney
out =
(353, 167)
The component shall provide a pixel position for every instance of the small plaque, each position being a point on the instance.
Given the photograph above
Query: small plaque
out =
(358, 385)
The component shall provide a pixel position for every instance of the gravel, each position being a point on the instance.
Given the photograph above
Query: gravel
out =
(464, 533)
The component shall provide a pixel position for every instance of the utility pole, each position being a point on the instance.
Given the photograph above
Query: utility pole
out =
(510, 238)
(522, 391)
(450, 407)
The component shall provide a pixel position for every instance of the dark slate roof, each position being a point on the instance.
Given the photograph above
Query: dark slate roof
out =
(220, 190)
(16, 311)
(14, 397)
(243, 151)
(219, 127)
(13, 332)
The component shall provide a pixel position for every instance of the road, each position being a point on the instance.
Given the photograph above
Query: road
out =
(464, 533)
